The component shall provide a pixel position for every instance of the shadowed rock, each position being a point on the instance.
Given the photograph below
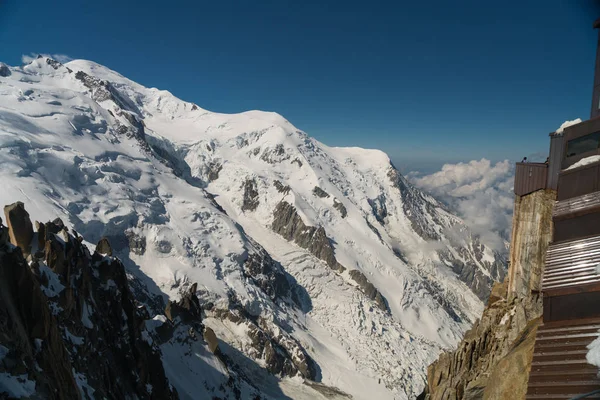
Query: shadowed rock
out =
(41, 231)
(288, 224)
(187, 308)
(211, 339)
(19, 225)
(4, 71)
(56, 321)
(103, 247)
(137, 243)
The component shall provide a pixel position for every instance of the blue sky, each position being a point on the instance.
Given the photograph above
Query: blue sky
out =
(427, 81)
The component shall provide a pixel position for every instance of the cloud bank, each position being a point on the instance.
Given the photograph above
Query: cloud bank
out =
(480, 193)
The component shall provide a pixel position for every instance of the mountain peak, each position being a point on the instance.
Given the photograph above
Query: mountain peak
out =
(307, 259)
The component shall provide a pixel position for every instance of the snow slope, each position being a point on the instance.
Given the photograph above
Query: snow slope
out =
(188, 196)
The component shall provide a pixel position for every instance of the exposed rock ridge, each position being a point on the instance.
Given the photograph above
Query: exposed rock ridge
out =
(494, 358)
(71, 306)
(289, 224)
(531, 235)
(467, 372)
(468, 272)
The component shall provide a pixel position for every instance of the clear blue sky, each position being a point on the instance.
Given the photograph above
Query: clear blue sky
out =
(427, 81)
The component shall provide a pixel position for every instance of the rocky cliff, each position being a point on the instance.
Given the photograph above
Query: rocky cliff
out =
(531, 234)
(61, 308)
(493, 359)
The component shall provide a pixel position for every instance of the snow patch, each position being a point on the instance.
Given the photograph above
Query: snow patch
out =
(567, 124)
(16, 386)
(584, 161)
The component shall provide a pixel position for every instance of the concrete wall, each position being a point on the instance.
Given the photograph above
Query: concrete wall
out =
(531, 234)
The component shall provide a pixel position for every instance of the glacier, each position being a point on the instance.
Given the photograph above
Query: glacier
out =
(359, 278)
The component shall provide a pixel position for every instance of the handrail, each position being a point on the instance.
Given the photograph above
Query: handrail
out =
(583, 396)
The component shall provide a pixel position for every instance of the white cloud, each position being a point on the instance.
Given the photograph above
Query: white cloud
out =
(480, 193)
(61, 58)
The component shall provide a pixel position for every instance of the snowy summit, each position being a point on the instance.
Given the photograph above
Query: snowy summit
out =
(321, 270)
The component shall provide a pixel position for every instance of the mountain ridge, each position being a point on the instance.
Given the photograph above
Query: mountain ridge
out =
(198, 190)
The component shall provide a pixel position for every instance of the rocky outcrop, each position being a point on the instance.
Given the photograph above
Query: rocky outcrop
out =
(137, 243)
(19, 226)
(493, 359)
(379, 208)
(281, 353)
(64, 309)
(250, 201)
(267, 274)
(531, 235)
(288, 224)
(318, 192)
(187, 309)
(211, 339)
(213, 170)
(338, 205)
(103, 247)
(368, 289)
(281, 188)
(35, 354)
(4, 71)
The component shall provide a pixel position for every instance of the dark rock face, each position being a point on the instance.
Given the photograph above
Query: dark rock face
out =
(494, 358)
(69, 306)
(53, 63)
(338, 205)
(317, 191)
(214, 168)
(29, 331)
(103, 247)
(19, 225)
(282, 354)
(4, 71)
(267, 275)
(368, 289)
(137, 243)
(211, 339)
(379, 208)
(250, 195)
(288, 224)
(187, 308)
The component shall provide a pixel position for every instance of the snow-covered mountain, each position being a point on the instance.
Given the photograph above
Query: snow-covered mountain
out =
(312, 264)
